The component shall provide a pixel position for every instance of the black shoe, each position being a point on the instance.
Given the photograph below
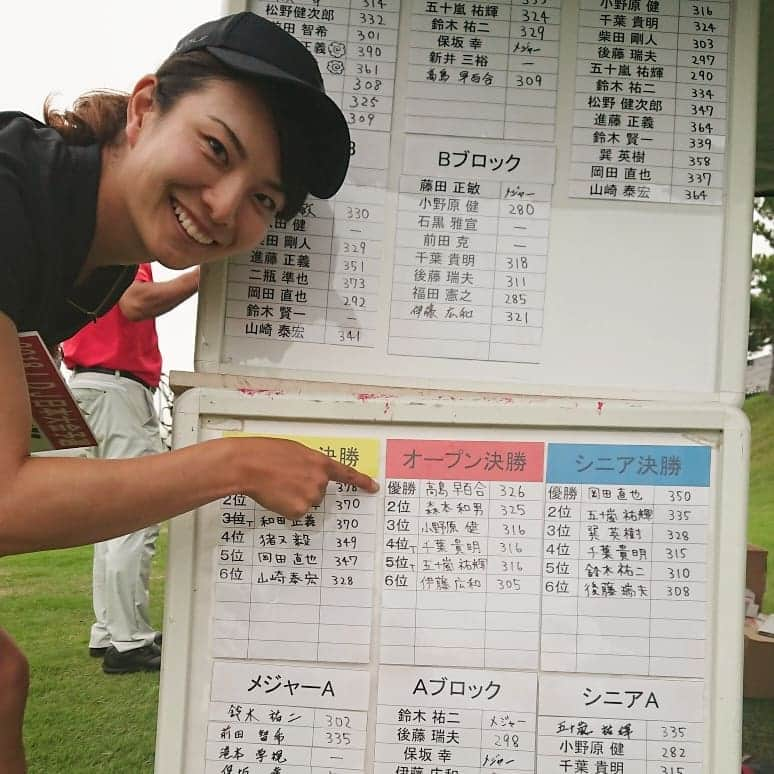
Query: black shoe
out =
(144, 659)
(100, 652)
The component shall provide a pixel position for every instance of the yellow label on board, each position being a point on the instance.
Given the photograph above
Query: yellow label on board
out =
(360, 453)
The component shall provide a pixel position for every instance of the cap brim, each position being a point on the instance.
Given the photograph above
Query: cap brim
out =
(320, 120)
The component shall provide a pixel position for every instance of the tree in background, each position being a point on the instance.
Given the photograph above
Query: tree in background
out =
(761, 333)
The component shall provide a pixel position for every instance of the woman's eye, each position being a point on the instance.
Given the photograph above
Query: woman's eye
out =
(266, 201)
(218, 148)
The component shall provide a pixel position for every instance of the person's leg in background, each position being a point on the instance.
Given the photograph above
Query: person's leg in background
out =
(127, 573)
(124, 420)
(99, 637)
(121, 583)
(142, 595)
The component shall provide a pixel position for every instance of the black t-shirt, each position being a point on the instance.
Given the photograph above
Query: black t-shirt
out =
(48, 210)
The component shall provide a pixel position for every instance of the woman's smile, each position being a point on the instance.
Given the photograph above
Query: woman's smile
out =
(186, 221)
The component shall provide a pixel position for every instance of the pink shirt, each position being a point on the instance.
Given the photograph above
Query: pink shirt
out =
(117, 343)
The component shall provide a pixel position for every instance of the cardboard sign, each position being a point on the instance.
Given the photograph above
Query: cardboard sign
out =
(57, 422)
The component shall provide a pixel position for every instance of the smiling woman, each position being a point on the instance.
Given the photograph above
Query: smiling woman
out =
(220, 190)
(192, 166)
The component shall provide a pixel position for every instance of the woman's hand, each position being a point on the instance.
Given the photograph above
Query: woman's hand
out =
(80, 501)
(287, 477)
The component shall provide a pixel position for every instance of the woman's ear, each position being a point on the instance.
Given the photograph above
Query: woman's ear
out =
(140, 107)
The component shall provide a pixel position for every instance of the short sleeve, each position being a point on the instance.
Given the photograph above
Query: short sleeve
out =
(17, 247)
(144, 273)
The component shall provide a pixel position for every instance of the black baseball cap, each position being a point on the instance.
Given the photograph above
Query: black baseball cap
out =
(257, 47)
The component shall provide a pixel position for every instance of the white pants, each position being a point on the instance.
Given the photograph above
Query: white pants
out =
(123, 419)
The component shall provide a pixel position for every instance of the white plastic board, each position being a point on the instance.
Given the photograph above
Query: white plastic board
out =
(540, 586)
(549, 197)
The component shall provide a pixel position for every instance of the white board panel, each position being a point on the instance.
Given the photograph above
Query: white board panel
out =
(553, 579)
(467, 250)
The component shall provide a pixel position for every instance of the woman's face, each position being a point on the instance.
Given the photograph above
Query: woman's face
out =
(203, 178)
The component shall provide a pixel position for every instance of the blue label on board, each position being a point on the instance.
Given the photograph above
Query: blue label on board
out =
(599, 463)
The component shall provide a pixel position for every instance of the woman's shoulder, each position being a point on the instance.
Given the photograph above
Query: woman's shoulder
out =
(38, 164)
(24, 140)
(19, 126)
(18, 119)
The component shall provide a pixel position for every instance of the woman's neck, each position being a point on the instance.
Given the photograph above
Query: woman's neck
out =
(115, 241)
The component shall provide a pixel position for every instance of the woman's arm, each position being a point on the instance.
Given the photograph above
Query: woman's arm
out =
(59, 502)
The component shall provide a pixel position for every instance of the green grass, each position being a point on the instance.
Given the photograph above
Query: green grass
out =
(758, 729)
(80, 721)
(758, 726)
(760, 526)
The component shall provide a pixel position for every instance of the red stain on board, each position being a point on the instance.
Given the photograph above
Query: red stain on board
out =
(372, 396)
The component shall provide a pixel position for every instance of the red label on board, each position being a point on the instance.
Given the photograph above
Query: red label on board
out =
(465, 460)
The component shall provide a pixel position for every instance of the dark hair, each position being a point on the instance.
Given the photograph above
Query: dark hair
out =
(100, 116)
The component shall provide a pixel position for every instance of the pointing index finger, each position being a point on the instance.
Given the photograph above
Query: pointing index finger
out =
(345, 474)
